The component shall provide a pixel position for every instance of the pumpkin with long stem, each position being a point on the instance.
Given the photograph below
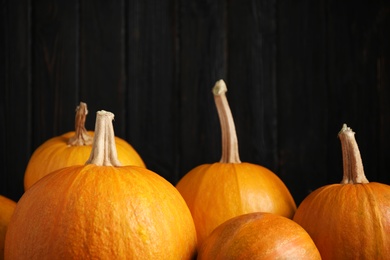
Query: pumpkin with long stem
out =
(351, 219)
(101, 210)
(219, 191)
(258, 235)
(72, 148)
(7, 207)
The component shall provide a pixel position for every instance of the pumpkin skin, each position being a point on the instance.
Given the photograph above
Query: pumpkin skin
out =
(7, 207)
(348, 221)
(57, 153)
(351, 219)
(259, 235)
(217, 192)
(101, 210)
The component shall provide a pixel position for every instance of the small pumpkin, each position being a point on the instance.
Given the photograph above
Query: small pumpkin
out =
(72, 148)
(219, 191)
(7, 207)
(258, 235)
(101, 210)
(351, 219)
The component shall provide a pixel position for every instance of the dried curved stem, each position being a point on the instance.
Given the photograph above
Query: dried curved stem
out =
(103, 147)
(352, 161)
(230, 152)
(81, 136)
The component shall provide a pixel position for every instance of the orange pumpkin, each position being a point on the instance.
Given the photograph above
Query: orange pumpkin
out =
(350, 220)
(72, 148)
(101, 210)
(258, 235)
(220, 191)
(7, 207)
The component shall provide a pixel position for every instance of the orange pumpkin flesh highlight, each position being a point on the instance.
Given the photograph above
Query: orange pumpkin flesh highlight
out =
(7, 207)
(219, 191)
(350, 220)
(258, 236)
(72, 148)
(101, 210)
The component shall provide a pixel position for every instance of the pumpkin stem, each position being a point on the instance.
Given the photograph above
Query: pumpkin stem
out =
(81, 136)
(230, 152)
(103, 147)
(352, 161)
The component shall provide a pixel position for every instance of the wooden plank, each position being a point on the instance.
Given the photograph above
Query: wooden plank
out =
(15, 81)
(295, 72)
(102, 60)
(381, 42)
(152, 93)
(302, 97)
(358, 85)
(54, 68)
(252, 79)
(202, 62)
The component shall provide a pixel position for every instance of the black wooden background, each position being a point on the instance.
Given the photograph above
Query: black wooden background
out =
(295, 71)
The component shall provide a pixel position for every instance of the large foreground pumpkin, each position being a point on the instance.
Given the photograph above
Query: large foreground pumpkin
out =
(72, 148)
(7, 207)
(101, 211)
(259, 236)
(350, 220)
(222, 190)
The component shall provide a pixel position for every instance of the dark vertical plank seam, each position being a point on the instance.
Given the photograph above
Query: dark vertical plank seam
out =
(123, 74)
(77, 52)
(178, 92)
(31, 44)
(226, 13)
(275, 89)
(327, 78)
(29, 78)
(5, 67)
(126, 35)
(278, 154)
(80, 52)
